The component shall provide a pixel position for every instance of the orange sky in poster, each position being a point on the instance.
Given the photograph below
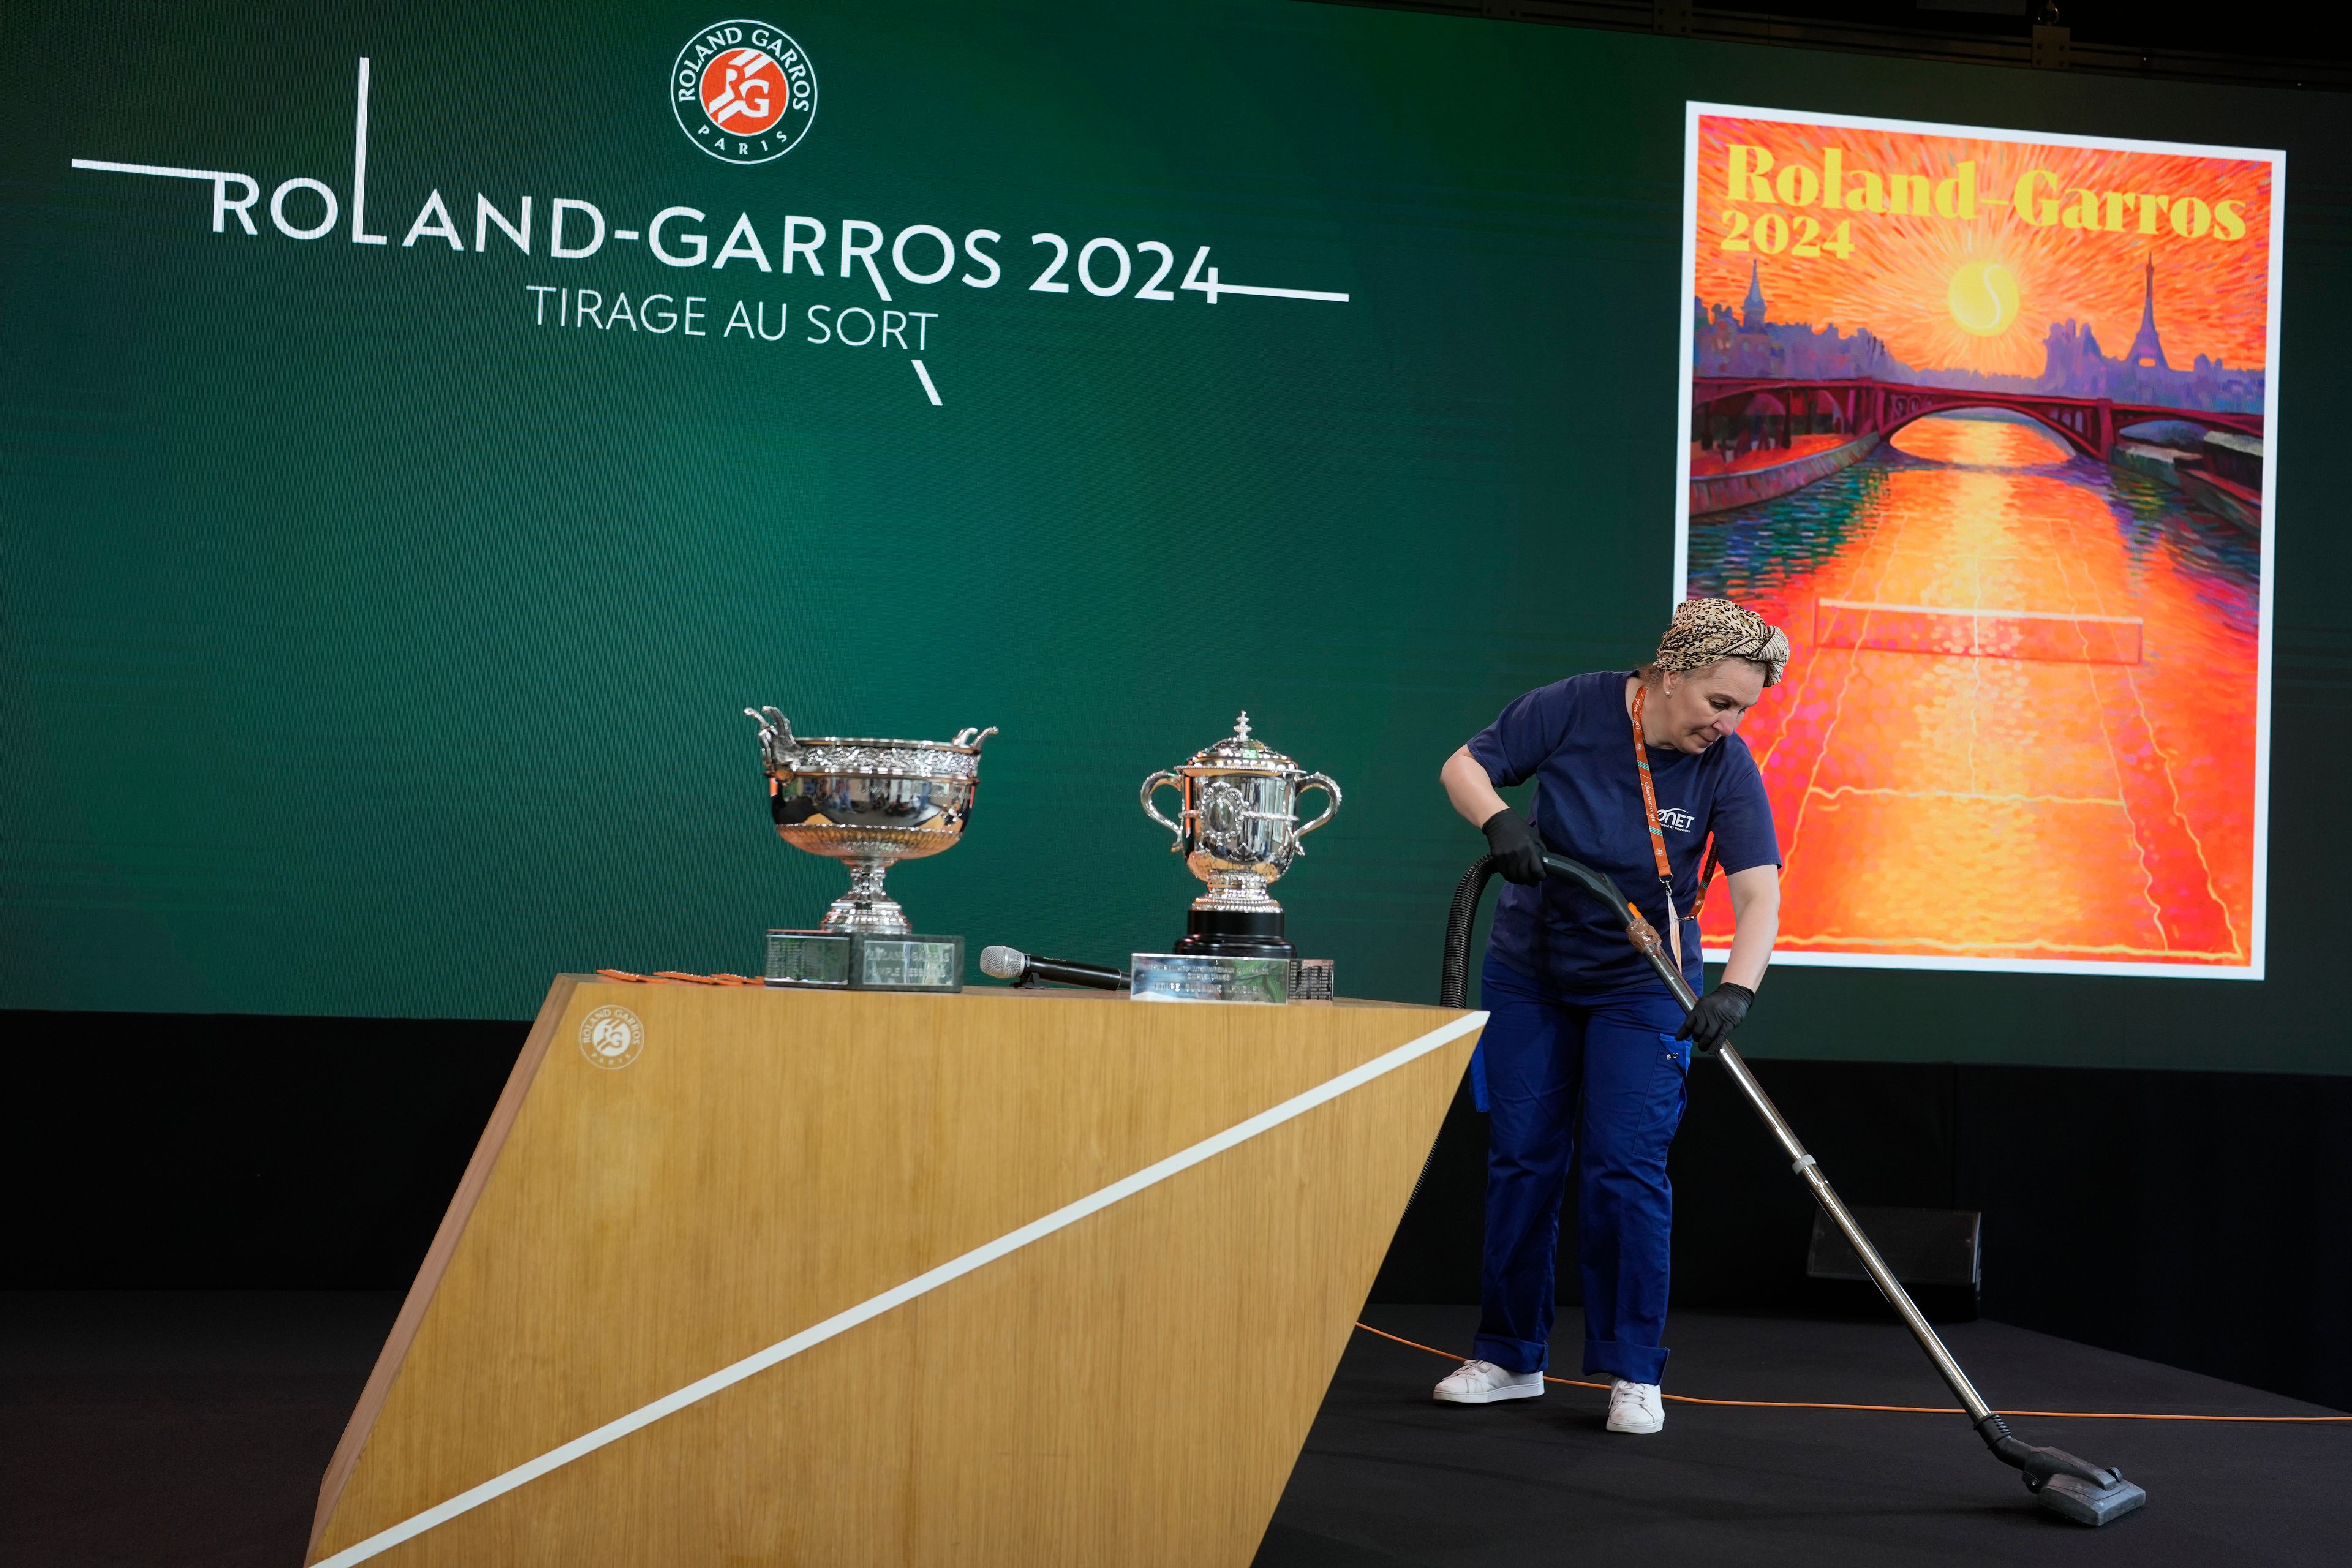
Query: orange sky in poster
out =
(1981, 293)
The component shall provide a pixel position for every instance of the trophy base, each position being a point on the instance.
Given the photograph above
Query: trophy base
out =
(878, 916)
(1209, 977)
(1235, 933)
(863, 961)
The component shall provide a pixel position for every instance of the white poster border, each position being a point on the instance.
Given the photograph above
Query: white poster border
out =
(1695, 109)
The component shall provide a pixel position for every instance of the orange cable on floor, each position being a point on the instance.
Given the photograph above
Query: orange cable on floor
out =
(1902, 1409)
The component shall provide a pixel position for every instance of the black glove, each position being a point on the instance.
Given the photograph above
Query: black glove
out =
(1719, 1013)
(1518, 853)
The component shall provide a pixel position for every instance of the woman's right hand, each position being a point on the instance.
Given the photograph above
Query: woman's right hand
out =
(1519, 852)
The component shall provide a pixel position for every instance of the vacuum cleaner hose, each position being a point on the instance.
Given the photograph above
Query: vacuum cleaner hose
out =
(1454, 977)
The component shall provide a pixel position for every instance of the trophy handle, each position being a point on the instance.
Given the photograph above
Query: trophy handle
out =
(1151, 787)
(1317, 781)
(775, 733)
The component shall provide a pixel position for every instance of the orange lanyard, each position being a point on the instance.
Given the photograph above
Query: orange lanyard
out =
(1657, 832)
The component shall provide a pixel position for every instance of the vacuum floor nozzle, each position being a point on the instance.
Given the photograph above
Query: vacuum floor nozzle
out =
(2071, 1488)
(2088, 1502)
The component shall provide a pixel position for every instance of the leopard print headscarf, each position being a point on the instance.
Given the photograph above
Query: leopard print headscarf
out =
(1705, 630)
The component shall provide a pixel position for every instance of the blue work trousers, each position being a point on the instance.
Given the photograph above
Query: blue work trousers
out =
(1593, 1086)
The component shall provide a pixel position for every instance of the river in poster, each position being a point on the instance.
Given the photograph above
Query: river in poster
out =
(1983, 419)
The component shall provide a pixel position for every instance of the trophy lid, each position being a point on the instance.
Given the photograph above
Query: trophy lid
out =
(1241, 751)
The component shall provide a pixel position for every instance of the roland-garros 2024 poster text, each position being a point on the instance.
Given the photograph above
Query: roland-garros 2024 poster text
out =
(1984, 419)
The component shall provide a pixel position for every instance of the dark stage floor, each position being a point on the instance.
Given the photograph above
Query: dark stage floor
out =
(170, 1428)
(157, 1429)
(1390, 1477)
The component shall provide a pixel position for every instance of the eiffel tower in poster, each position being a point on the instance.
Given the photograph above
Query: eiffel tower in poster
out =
(2146, 351)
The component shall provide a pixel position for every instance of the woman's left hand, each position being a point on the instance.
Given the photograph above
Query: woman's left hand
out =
(1719, 1013)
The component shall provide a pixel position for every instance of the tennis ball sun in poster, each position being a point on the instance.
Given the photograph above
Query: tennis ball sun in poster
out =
(1983, 419)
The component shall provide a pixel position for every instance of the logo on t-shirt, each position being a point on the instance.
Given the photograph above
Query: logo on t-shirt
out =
(1680, 821)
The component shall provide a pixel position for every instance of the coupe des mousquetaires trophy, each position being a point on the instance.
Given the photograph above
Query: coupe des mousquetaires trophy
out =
(869, 802)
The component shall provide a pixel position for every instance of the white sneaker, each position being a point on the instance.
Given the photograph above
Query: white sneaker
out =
(1635, 1406)
(1484, 1383)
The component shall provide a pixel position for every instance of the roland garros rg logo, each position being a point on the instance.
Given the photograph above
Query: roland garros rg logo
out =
(742, 90)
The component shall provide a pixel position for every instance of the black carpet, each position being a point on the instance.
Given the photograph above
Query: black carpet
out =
(1391, 1477)
(191, 1429)
(175, 1428)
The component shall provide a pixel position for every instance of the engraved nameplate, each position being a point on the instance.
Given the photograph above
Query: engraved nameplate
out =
(1202, 977)
(861, 961)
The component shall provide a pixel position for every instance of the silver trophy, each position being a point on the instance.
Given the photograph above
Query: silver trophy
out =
(1238, 831)
(869, 803)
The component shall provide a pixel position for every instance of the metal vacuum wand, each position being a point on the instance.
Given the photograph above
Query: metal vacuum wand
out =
(1647, 942)
(2081, 1491)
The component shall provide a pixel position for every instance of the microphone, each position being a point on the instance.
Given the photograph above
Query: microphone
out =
(1010, 963)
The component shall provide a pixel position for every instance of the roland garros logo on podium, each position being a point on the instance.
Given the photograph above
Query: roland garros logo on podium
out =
(611, 1038)
(742, 90)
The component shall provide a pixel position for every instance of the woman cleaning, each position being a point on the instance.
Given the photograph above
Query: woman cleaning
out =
(1641, 775)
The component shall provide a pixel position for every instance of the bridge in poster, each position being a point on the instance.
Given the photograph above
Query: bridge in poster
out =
(1862, 407)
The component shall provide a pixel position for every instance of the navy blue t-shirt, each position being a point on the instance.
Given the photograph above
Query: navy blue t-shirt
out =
(1575, 739)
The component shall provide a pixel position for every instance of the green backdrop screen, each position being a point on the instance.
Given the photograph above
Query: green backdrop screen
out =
(377, 609)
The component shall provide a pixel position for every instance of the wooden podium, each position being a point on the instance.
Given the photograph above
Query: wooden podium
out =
(747, 1276)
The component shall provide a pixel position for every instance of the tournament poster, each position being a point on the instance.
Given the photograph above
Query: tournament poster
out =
(1984, 419)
